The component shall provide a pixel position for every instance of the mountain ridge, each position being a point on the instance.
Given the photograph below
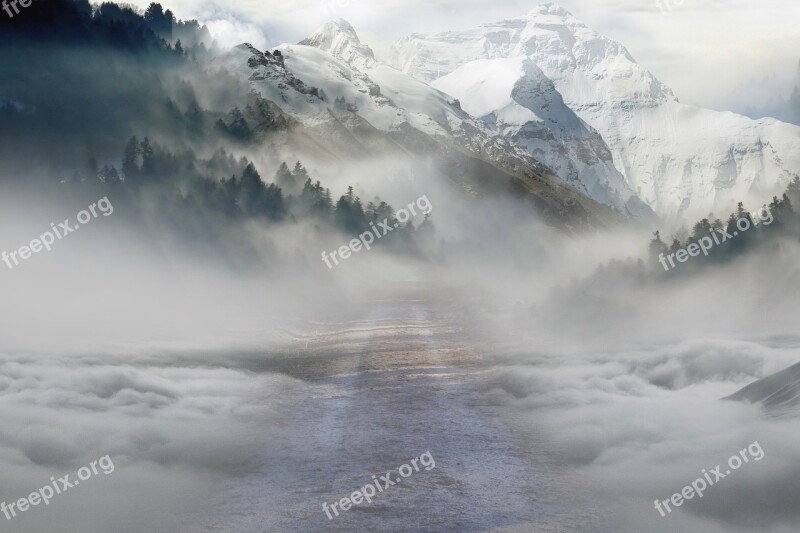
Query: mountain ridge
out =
(605, 185)
(326, 94)
(681, 160)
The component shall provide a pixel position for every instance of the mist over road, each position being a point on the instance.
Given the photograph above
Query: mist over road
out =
(381, 389)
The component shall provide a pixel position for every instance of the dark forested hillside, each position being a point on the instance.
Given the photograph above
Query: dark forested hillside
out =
(106, 100)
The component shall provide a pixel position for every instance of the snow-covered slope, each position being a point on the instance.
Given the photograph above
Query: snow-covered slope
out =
(387, 99)
(778, 393)
(568, 146)
(340, 39)
(515, 97)
(679, 159)
(366, 112)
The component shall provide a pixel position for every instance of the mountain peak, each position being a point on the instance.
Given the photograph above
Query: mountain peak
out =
(339, 38)
(333, 27)
(680, 160)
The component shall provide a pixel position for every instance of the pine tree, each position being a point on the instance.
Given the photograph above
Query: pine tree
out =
(252, 189)
(273, 205)
(259, 111)
(108, 174)
(786, 203)
(327, 202)
(793, 190)
(701, 229)
(221, 127)
(741, 212)
(286, 180)
(341, 214)
(130, 159)
(349, 214)
(657, 246)
(159, 21)
(730, 226)
(238, 126)
(148, 159)
(153, 13)
(299, 173)
(357, 214)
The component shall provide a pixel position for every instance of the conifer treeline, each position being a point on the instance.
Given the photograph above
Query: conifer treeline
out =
(783, 220)
(240, 192)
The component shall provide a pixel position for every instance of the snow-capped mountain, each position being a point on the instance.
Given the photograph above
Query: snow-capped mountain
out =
(521, 103)
(340, 39)
(347, 102)
(575, 152)
(679, 159)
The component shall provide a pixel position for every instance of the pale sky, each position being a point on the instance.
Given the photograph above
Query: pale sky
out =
(703, 49)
